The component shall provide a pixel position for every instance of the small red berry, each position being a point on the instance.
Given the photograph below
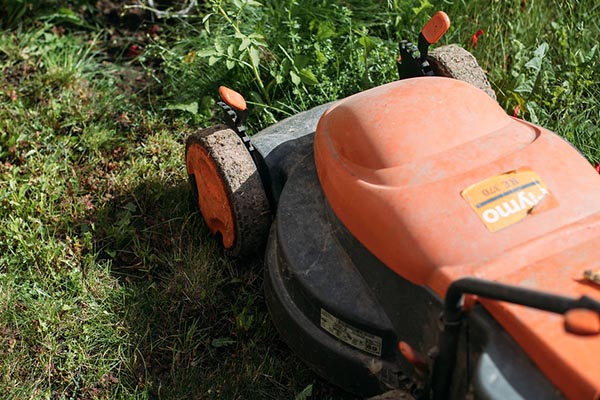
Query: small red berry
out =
(133, 51)
(475, 37)
(516, 111)
(154, 30)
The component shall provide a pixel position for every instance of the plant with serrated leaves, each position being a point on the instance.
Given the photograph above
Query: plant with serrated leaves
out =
(240, 49)
(531, 77)
(284, 56)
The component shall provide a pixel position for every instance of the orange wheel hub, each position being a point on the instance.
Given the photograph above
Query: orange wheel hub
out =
(213, 198)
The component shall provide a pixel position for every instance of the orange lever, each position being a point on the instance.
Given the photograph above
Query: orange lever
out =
(232, 98)
(436, 27)
(582, 322)
(412, 356)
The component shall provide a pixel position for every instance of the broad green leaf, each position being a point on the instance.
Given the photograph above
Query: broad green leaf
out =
(321, 57)
(206, 53)
(206, 104)
(256, 97)
(300, 61)
(295, 78)
(305, 394)
(425, 4)
(243, 3)
(253, 3)
(192, 107)
(219, 46)
(541, 50)
(254, 56)
(539, 54)
(245, 43)
(367, 43)
(308, 78)
(325, 29)
(258, 39)
(525, 86)
(536, 113)
(286, 66)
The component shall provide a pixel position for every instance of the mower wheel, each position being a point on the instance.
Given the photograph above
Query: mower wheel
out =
(453, 61)
(228, 189)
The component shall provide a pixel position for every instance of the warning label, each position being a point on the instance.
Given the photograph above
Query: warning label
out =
(505, 199)
(351, 335)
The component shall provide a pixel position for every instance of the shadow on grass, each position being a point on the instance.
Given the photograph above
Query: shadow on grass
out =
(198, 324)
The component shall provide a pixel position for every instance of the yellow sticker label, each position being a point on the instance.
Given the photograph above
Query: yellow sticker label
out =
(506, 199)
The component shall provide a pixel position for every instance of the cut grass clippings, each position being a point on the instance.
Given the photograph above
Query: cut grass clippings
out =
(110, 286)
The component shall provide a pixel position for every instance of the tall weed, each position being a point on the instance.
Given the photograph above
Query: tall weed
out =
(285, 56)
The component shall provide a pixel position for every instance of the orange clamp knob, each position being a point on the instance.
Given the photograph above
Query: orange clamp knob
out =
(436, 27)
(412, 356)
(582, 322)
(232, 98)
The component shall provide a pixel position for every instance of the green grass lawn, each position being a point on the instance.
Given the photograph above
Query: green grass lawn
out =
(110, 286)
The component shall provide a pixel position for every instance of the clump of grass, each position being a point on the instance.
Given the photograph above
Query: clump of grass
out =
(109, 284)
(61, 309)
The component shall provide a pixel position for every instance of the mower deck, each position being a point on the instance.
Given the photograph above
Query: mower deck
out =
(315, 294)
(409, 201)
(343, 311)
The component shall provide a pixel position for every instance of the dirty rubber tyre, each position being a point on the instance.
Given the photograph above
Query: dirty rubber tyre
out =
(453, 61)
(228, 189)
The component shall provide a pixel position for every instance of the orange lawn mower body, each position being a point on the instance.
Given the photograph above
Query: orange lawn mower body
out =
(424, 241)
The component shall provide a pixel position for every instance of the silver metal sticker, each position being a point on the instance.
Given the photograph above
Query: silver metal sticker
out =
(348, 334)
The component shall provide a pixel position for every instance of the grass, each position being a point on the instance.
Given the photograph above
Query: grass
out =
(110, 286)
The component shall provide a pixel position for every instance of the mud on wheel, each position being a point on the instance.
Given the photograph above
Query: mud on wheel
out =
(453, 61)
(228, 189)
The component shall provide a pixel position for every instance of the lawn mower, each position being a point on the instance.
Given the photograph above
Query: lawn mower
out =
(419, 241)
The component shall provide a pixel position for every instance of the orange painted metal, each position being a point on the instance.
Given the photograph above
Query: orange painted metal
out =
(393, 162)
(412, 356)
(436, 27)
(232, 98)
(213, 199)
(582, 322)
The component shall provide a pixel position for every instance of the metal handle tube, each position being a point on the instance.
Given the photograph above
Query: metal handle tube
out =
(444, 365)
